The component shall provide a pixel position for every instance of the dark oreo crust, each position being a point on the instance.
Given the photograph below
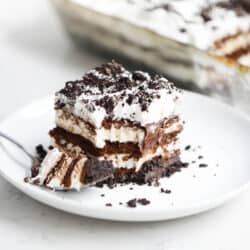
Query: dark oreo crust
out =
(96, 170)
(150, 172)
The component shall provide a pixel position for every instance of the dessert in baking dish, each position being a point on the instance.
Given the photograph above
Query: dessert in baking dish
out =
(155, 32)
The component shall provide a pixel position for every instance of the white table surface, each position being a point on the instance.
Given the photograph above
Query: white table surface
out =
(36, 58)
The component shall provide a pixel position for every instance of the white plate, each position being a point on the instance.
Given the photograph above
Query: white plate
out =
(222, 133)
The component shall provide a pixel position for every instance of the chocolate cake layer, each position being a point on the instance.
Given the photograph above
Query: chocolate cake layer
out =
(63, 138)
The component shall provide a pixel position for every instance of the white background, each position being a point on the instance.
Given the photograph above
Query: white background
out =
(36, 57)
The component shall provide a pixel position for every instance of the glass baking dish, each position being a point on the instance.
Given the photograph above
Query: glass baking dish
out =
(195, 69)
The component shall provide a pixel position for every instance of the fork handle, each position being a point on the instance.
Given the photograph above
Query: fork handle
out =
(19, 145)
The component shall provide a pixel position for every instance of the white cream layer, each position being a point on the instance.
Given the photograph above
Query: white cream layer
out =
(122, 135)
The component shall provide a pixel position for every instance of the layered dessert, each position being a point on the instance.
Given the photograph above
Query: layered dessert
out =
(61, 170)
(128, 118)
(112, 125)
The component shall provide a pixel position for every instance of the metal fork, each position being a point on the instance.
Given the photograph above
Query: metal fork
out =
(34, 160)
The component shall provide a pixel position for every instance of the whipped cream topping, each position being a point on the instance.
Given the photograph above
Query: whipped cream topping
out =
(110, 92)
(197, 22)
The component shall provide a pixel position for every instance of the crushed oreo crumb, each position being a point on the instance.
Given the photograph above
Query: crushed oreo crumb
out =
(185, 164)
(102, 195)
(40, 155)
(41, 152)
(132, 203)
(205, 14)
(143, 201)
(203, 165)
(26, 179)
(187, 147)
(108, 205)
(166, 191)
(183, 30)
(99, 184)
